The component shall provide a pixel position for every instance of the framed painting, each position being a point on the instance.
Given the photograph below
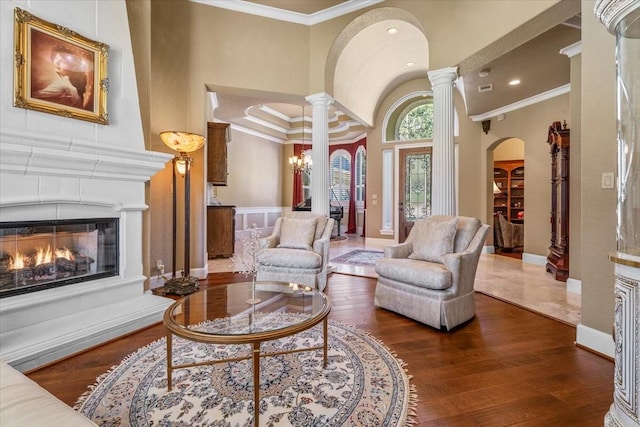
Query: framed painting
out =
(58, 71)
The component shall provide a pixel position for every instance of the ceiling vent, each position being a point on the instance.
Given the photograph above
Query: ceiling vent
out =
(485, 88)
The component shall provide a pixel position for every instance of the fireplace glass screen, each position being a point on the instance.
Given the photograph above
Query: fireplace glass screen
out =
(38, 255)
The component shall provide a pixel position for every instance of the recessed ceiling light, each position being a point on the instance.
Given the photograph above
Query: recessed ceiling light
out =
(514, 82)
(392, 30)
(409, 64)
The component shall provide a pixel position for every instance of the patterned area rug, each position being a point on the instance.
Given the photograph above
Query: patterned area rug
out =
(362, 385)
(359, 257)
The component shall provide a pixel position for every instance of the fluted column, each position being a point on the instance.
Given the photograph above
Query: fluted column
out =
(320, 153)
(443, 174)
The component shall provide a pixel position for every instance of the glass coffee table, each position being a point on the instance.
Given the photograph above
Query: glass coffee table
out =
(221, 315)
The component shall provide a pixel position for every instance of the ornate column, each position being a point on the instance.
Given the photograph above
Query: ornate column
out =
(320, 183)
(622, 18)
(443, 188)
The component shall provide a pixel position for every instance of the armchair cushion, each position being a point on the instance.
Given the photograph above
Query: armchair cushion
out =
(298, 233)
(292, 258)
(427, 275)
(433, 238)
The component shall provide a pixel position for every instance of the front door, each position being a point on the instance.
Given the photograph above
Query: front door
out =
(415, 188)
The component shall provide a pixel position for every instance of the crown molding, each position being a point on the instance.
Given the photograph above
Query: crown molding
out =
(289, 16)
(572, 50)
(523, 103)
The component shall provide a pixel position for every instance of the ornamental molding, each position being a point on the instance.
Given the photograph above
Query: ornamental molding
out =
(611, 12)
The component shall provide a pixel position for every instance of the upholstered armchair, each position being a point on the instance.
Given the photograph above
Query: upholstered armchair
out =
(430, 277)
(508, 235)
(297, 250)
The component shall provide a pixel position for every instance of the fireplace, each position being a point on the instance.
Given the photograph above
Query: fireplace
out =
(38, 255)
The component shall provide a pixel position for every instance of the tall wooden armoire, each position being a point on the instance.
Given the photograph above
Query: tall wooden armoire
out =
(558, 258)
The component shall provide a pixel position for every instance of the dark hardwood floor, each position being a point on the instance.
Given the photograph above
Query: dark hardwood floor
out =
(505, 367)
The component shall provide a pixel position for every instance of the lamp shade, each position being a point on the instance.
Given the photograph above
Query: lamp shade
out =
(496, 190)
(182, 142)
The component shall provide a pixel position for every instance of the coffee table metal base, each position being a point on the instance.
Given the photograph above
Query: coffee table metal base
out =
(255, 357)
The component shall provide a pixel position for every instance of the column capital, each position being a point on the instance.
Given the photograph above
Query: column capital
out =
(320, 99)
(443, 76)
(611, 12)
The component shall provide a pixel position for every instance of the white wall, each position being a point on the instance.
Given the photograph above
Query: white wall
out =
(55, 167)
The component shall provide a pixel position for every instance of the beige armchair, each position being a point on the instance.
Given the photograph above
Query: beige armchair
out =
(508, 235)
(297, 251)
(430, 277)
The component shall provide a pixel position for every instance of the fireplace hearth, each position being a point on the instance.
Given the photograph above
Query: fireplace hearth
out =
(38, 255)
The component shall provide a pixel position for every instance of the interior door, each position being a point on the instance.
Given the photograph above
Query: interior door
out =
(415, 188)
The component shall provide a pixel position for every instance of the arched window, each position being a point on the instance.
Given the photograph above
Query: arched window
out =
(360, 170)
(415, 121)
(340, 176)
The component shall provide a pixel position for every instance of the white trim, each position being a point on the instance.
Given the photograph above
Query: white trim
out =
(396, 175)
(394, 107)
(572, 50)
(268, 125)
(387, 192)
(248, 131)
(277, 114)
(534, 259)
(378, 242)
(595, 340)
(523, 103)
(289, 16)
(32, 153)
(574, 286)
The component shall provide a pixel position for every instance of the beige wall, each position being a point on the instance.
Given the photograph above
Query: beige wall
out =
(207, 45)
(575, 171)
(531, 125)
(509, 149)
(254, 167)
(598, 155)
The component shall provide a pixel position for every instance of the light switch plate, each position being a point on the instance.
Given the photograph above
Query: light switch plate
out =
(607, 180)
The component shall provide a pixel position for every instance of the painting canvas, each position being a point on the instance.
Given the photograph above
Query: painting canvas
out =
(58, 71)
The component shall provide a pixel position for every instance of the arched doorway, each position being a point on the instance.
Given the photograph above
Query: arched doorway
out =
(508, 196)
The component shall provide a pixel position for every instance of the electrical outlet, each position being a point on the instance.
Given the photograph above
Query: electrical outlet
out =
(159, 266)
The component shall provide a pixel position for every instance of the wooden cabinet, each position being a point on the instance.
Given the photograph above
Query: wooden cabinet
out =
(221, 225)
(558, 259)
(217, 153)
(508, 175)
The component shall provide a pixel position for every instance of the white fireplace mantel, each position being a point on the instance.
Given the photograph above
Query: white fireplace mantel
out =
(38, 154)
(48, 177)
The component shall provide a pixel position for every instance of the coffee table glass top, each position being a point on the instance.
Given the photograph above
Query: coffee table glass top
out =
(222, 311)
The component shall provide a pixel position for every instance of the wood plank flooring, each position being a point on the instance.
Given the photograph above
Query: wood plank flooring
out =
(506, 367)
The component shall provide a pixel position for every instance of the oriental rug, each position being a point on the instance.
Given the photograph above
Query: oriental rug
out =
(364, 384)
(359, 257)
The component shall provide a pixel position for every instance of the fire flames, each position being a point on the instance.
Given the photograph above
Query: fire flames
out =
(42, 256)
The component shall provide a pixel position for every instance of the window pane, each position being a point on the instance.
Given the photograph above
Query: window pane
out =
(418, 186)
(340, 177)
(417, 123)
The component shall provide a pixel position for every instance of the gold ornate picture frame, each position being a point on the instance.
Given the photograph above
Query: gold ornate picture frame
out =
(58, 71)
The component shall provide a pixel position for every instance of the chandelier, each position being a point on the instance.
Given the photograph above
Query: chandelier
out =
(302, 163)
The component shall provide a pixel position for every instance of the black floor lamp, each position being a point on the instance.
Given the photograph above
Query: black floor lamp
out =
(183, 143)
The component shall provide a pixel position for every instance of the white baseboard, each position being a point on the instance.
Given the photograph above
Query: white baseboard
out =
(534, 259)
(574, 286)
(380, 242)
(596, 340)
